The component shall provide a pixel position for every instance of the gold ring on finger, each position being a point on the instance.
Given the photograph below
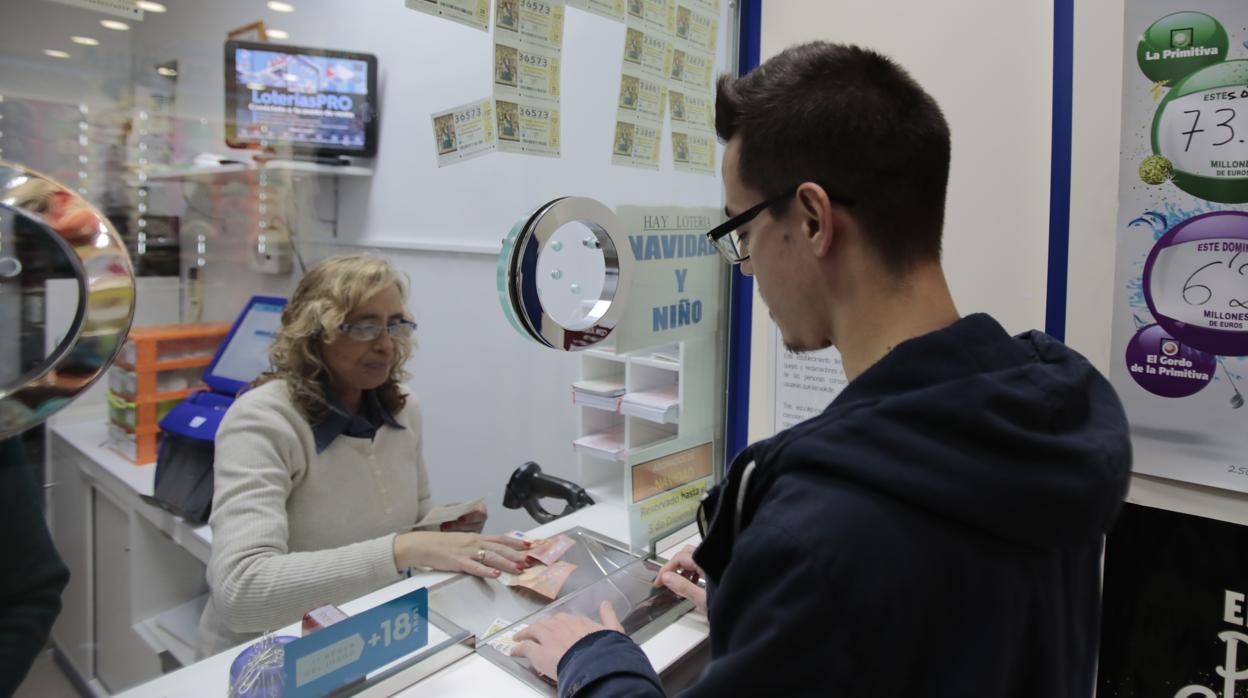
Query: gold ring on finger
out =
(480, 556)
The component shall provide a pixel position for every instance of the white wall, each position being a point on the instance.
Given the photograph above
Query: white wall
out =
(989, 66)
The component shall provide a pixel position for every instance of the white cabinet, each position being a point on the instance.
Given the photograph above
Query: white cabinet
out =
(129, 563)
(653, 458)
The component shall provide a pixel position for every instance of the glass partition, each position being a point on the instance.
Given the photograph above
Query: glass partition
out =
(234, 145)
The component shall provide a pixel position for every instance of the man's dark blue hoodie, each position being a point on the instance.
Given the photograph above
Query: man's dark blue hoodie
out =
(937, 531)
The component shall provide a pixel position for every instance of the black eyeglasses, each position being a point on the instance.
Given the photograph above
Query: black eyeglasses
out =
(735, 248)
(369, 331)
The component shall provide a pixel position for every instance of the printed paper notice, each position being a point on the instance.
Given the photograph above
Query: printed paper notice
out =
(802, 385)
(690, 67)
(522, 70)
(692, 110)
(464, 132)
(696, 25)
(527, 126)
(657, 14)
(647, 49)
(693, 150)
(642, 97)
(530, 22)
(637, 144)
(473, 13)
(611, 9)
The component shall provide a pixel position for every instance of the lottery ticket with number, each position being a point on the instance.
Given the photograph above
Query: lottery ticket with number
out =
(696, 25)
(636, 144)
(693, 150)
(642, 96)
(691, 109)
(533, 22)
(460, 134)
(655, 14)
(527, 126)
(506, 642)
(611, 9)
(690, 67)
(473, 13)
(522, 70)
(646, 48)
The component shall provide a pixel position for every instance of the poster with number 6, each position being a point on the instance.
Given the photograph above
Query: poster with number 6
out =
(1180, 322)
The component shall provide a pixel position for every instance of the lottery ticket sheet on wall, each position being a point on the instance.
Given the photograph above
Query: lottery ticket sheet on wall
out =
(1180, 319)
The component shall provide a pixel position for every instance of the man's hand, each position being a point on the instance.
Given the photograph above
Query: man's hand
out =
(545, 642)
(681, 575)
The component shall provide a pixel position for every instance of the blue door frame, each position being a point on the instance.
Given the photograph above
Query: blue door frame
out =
(741, 301)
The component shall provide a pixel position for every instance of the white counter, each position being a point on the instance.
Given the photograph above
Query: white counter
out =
(126, 481)
(471, 676)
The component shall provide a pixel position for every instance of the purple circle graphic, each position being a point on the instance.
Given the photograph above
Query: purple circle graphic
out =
(1163, 365)
(1196, 282)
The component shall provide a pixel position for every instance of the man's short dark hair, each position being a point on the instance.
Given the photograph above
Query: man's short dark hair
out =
(854, 122)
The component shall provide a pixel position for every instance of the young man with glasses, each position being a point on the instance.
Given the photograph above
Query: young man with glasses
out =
(937, 531)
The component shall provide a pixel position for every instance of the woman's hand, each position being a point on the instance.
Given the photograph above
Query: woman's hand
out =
(681, 575)
(483, 556)
(472, 522)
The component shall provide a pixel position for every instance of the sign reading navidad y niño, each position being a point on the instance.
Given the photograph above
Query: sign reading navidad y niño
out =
(676, 276)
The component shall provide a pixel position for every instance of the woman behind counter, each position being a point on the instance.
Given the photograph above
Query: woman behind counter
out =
(319, 468)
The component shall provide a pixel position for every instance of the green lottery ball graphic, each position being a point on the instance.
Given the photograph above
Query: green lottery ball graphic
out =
(1156, 170)
(1201, 127)
(1179, 44)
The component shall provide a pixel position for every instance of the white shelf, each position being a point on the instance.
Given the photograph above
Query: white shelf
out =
(178, 172)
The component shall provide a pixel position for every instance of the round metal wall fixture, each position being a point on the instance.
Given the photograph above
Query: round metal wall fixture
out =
(52, 239)
(564, 275)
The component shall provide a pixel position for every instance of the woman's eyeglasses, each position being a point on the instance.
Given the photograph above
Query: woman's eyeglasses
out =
(369, 331)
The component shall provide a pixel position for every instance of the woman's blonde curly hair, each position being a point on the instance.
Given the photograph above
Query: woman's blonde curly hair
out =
(329, 292)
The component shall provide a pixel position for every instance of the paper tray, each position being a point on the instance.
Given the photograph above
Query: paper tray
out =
(605, 570)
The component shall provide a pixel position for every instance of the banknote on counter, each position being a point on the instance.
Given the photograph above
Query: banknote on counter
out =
(693, 150)
(533, 22)
(692, 110)
(642, 96)
(522, 70)
(690, 67)
(550, 550)
(611, 9)
(696, 25)
(636, 144)
(464, 132)
(544, 580)
(473, 13)
(448, 512)
(527, 126)
(646, 48)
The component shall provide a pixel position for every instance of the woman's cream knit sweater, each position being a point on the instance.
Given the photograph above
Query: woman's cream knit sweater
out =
(293, 529)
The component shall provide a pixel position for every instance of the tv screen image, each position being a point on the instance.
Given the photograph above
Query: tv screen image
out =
(314, 101)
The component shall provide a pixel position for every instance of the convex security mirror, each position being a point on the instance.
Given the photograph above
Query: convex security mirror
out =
(562, 279)
(49, 233)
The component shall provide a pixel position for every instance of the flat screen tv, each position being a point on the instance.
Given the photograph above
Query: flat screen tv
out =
(314, 102)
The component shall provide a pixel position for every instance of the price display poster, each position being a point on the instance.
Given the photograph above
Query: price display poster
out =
(1180, 321)
(1175, 607)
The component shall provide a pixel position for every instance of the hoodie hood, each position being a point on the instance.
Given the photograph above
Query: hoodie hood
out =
(1019, 437)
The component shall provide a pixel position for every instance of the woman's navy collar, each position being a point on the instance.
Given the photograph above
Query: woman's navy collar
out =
(338, 421)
